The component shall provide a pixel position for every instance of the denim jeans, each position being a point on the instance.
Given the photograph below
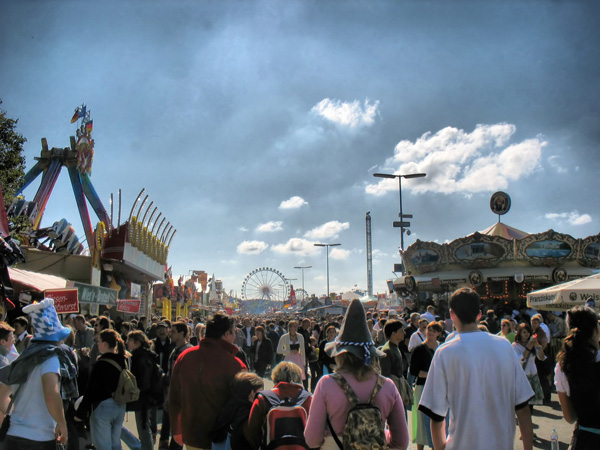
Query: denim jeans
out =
(130, 440)
(106, 423)
(142, 421)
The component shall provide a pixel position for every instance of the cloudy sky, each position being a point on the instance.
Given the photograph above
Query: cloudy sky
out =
(256, 126)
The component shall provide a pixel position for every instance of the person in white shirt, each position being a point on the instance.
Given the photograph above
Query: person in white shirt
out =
(418, 336)
(463, 381)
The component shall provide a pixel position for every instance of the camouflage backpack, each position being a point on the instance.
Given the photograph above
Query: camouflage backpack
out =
(364, 428)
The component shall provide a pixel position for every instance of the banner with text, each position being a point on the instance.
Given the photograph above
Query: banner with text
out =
(65, 300)
(131, 306)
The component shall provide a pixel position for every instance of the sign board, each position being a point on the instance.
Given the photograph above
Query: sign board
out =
(96, 294)
(131, 306)
(66, 301)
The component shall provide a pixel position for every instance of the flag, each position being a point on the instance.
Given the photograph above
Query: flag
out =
(79, 112)
(89, 126)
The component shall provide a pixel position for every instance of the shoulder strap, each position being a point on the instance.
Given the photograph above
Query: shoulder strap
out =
(377, 388)
(350, 394)
(113, 363)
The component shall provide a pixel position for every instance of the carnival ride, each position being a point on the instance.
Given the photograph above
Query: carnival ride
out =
(266, 283)
(501, 262)
(78, 160)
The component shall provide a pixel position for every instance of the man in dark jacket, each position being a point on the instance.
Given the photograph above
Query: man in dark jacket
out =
(200, 383)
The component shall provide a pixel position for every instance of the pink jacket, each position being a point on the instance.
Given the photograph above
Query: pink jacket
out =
(330, 400)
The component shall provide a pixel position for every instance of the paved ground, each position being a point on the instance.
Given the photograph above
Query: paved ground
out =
(545, 418)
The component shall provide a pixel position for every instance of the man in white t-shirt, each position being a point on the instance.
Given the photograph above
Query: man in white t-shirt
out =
(419, 336)
(476, 378)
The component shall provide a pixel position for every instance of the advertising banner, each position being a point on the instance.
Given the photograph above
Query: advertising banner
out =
(131, 306)
(65, 300)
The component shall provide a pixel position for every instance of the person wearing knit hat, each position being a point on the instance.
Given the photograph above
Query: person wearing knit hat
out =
(37, 415)
(357, 360)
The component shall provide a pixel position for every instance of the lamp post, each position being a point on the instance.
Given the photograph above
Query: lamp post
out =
(401, 224)
(302, 268)
(327, 245)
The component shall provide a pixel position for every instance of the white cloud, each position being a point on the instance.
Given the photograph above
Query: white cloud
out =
(296, 246)
(556, 164)
(457, 161)
(252, 247)
(339, 253)
(293, 203)
(269, 227)
(243, 229)
(327, 230)
(573, 217)
(349, 114)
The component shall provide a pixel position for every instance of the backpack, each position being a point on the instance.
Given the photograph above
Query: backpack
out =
(127, 390)
(364, 428)
(157, 385)
(285, 422)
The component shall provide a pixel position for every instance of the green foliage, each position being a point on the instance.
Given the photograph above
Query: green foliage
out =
(12, 161)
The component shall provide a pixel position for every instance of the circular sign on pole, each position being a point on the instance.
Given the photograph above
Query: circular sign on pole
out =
(500, 203)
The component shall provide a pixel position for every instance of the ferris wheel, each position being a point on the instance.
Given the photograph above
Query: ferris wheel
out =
(265, 283)
(301, 295)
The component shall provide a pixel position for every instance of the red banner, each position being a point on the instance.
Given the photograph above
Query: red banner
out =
(66, 301)
(129, 306)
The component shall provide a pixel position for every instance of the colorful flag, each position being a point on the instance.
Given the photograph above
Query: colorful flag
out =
(89, 126)
(79, 112)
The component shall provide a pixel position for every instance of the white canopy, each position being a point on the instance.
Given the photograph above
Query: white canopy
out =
(566, 295)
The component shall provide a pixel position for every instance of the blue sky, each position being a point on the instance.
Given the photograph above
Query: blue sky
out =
(256, 126)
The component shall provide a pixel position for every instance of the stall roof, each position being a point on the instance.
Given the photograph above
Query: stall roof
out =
(26, 280)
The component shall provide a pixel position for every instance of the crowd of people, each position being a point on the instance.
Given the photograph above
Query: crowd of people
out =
(59, 379)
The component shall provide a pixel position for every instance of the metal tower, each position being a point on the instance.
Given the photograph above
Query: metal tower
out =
(369, 256)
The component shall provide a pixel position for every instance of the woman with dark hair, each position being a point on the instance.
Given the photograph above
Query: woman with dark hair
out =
(576, 378)
(420, 362)
(528, 348)
(326, 362)
(107, 415)
(143, 361)
(262, 351)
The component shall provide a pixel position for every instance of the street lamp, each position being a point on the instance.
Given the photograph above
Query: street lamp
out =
(302, 267)
(327, 245)
(401, 224)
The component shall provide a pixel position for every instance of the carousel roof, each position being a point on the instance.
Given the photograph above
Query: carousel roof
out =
(505, 231)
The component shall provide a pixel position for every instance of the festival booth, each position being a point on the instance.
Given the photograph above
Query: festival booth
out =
(565, 296)
(114, 275)
(502, 263)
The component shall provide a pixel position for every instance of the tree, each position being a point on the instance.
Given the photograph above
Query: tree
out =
(12, 161)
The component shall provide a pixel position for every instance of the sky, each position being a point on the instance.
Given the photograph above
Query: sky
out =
(256, 127)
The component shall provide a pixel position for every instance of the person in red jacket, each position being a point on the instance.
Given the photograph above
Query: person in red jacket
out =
(200, 383)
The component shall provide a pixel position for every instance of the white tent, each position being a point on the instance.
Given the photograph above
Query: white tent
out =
(566, 295)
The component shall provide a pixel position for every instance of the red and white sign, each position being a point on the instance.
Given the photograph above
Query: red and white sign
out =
(131, 306)
(66, 301)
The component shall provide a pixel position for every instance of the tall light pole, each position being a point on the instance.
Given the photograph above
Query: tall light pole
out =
(302, 267)
(327, 245)
(401, 224)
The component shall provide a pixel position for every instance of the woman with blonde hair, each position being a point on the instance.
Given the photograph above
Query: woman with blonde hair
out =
(357, 380)
(287, 378)
(291, 346)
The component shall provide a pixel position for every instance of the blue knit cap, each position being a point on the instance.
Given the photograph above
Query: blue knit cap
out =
(45, 322)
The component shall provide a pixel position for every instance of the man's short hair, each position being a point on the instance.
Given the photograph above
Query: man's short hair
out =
(5, 330)
(79, 318)
(181, 327)
(22, 320)
(465, 304)
(391, 326)
(218, 325)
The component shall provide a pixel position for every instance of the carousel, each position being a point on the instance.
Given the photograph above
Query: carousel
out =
(502, 263)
